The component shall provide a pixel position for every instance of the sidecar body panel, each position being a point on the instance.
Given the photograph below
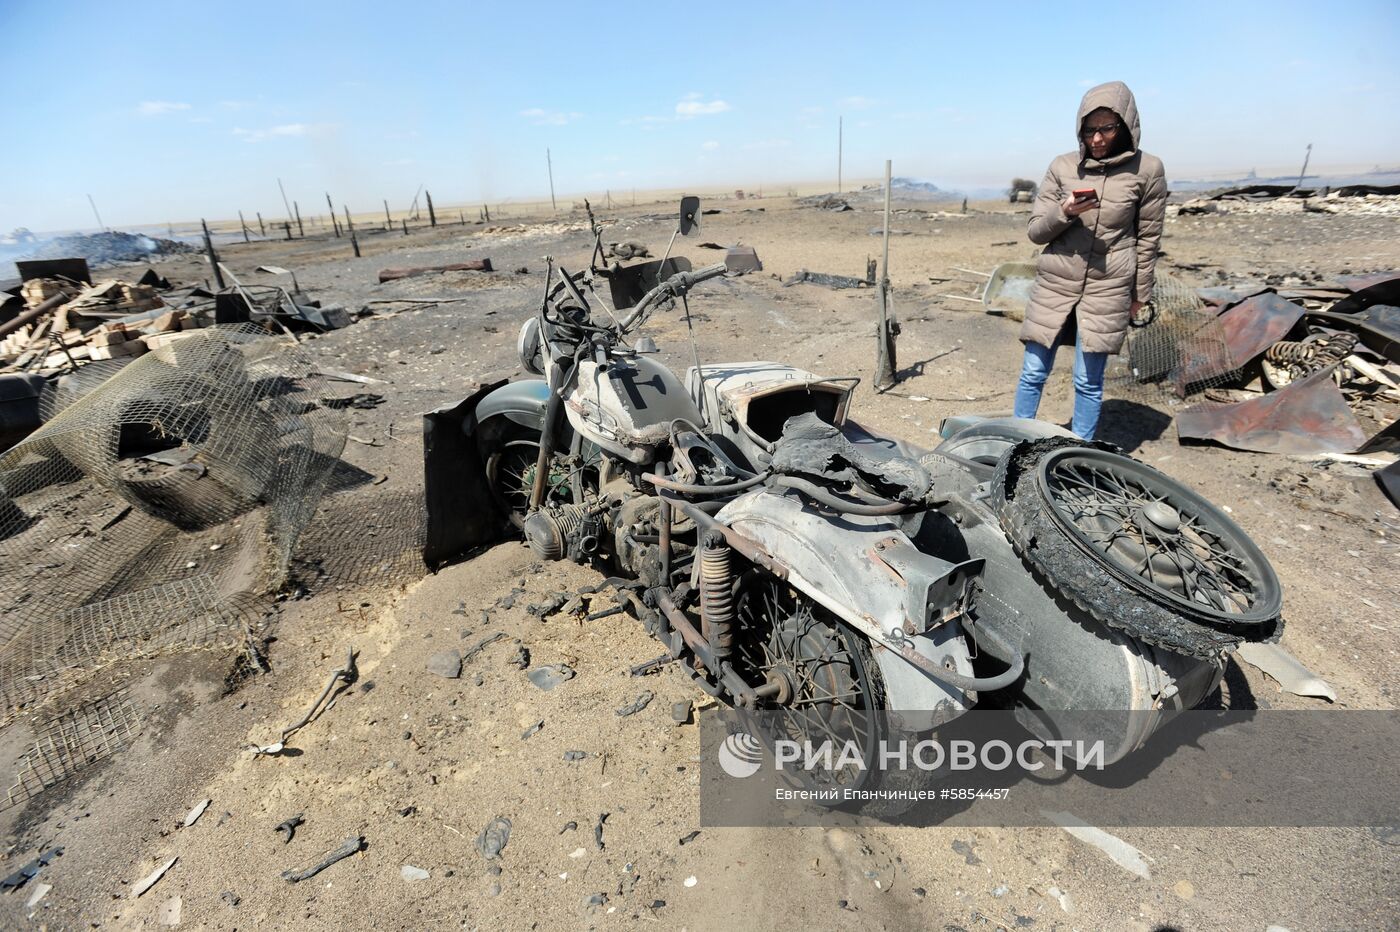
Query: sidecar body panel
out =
(749, 402)
(884, 587)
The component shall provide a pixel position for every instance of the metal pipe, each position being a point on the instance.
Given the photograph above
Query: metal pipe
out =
(750, 550)
(552, 409)
(823, 497)
(684, 489)
(665, 542)
(742, 691)
(957, 680)
(10, 326)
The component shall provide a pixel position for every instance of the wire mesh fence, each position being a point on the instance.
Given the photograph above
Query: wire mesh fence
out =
(1179, 354)
(156, 512)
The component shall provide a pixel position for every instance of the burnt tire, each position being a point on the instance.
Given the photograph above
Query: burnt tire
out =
(1227, 595)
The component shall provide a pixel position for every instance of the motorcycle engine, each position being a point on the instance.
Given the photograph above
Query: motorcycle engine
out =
(571, 531)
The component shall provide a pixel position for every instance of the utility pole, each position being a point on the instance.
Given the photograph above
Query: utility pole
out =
(287, 206)
(886, 366)
(1304, 173)
(100, 224)
(840, 147)
(550, 162)
(334, 223)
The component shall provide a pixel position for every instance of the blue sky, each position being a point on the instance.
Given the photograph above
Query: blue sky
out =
(170, 111)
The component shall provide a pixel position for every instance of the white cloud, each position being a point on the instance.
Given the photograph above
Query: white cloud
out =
(159, 107)
(710, 145)
(856, 102)
(549, 117)
(285, 130)
(768, 144)
(692, 106)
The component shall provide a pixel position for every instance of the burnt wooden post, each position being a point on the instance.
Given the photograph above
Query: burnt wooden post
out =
(212, 255)
(287, 225)
(355, 243)
(335, 224)
(301, 231)
(886, 364)
(349, 224)
(262, 230)
(388, 220)
(244, 225)
(405, 227)
(432, 216)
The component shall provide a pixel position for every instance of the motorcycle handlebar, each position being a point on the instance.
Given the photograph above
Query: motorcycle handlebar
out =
(675, 286)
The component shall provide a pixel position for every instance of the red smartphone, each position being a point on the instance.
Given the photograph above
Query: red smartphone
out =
(1086, 194)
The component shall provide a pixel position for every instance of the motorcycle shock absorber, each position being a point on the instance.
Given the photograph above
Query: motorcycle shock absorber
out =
(717, 594)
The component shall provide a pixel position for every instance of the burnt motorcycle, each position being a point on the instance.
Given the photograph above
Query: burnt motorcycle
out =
(794, 561)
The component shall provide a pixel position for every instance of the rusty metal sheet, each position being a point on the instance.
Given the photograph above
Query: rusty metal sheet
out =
(1307, 416)
(1247, 329)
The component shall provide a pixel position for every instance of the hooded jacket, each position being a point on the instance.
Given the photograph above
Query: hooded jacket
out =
(1095, 265)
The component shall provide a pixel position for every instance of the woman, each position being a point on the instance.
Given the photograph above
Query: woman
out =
(1101, 246)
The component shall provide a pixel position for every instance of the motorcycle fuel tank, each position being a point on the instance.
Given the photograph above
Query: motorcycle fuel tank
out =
(627, 406)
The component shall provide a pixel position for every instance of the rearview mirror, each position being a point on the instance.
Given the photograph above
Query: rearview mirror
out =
(690, 214)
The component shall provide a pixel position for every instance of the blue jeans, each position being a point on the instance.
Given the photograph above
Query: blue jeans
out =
(1088, 385)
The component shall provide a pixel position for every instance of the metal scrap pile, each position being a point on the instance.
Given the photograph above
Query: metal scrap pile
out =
(1350, 199)
(1292, 371)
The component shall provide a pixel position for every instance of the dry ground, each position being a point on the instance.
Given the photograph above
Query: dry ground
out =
(418, 765)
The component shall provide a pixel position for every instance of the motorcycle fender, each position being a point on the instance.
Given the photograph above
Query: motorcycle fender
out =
(880, 584)
(461, 514)
(522, 402)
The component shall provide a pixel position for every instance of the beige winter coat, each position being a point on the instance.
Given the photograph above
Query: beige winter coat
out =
(1095, 265)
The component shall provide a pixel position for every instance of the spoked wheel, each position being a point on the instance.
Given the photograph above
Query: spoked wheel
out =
(825, 682)
(1144, 552)
(1159, 537)
(510, 471)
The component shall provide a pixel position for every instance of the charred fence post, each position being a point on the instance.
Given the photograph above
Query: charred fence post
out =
(301, 231)
(335, 224)
(355, 243)
(262, 230)
(244, 224)
(432, 216)
(212, 255)
(388, 220)
(886, 367)
(405, 227)
(287, 225)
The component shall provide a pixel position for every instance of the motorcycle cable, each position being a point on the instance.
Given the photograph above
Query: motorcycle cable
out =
(695, 354)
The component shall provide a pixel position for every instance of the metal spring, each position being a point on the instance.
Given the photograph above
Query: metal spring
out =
(717, 594)
(1314, 352)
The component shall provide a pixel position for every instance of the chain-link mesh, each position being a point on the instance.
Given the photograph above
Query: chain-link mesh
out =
(1184, 336)
(155, 512)
(73, 740)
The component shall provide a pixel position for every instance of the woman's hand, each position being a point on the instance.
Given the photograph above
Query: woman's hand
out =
(1073, 208)
(1133, 311)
